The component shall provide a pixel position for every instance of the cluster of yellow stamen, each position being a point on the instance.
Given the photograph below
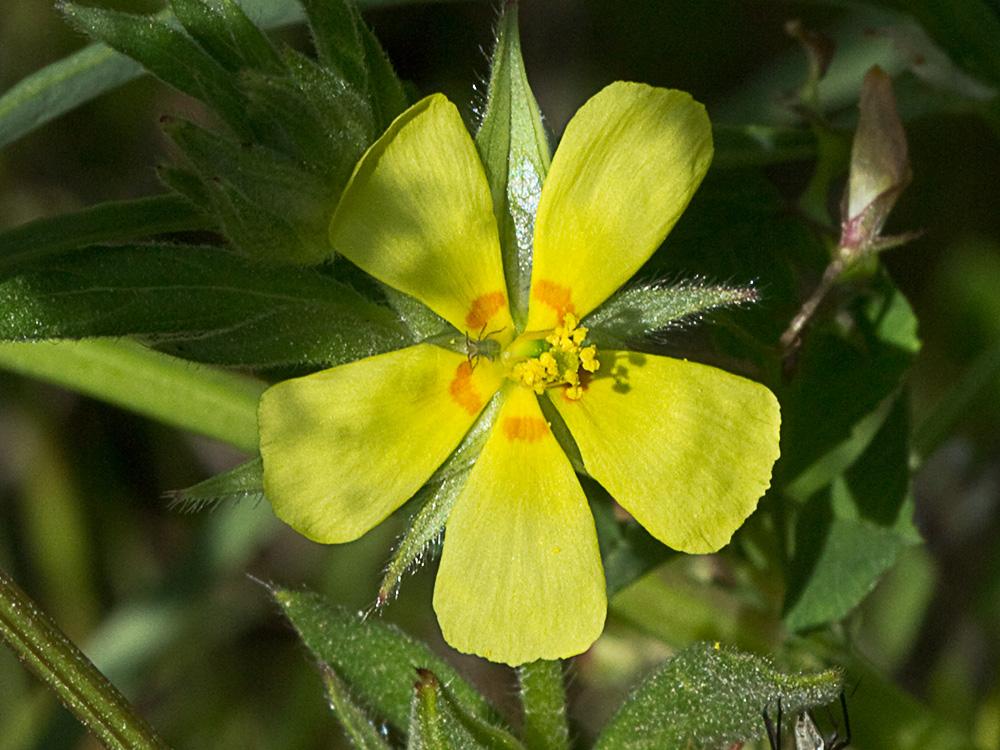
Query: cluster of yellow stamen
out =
(560, 365)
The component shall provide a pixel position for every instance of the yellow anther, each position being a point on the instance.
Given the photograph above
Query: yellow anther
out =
(560, 365)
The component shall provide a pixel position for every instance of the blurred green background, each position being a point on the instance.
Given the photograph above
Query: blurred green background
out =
(165, 602)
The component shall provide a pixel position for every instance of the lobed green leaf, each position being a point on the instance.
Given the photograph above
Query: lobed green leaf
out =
(336, 34)
(268, 206)
(708, 697)
(437, 722)
(204, 303)
(377, 661)
(228, 35)
(359, 728)
(106, 222)
(169, 54)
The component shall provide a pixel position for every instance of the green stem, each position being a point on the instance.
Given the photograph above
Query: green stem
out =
(199, 398)
(543, 695)
(47, 652)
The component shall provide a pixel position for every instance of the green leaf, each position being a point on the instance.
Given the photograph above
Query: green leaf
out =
(94, 70)
(422, 322)
(268, 207)
(850, 534)
(361, 731)
(847, 432)
(297, 128)
(388, 98)
(242, 482)
(168, 54)
(335, 28)
(707, 697)
(377, 661)
(46, 651)
(228, 35)
(204, 303)
(516, 157)
(211, 402)
(842, 377)
(633, 313)
(106, 222)
(849, 558)
(61, 87)
(438, 723)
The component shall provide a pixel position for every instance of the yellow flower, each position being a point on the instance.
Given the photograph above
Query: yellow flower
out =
(686, 449)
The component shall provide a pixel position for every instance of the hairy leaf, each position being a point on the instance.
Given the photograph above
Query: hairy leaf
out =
(204, 303)
(708, 697)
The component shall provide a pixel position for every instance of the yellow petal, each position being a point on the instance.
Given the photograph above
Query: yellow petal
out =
(625, 170)
(520, 576)
(345, 447)
(685, 448)
(417, 215)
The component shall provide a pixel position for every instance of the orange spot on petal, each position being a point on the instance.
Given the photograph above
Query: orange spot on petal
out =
(463, 392)
(528, 429)
(556, 296)
(484, 307)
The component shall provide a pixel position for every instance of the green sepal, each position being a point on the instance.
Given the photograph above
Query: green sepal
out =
(204, 303)
(707, 696)
(361, 732)
(516, 156)
(633, 313)
(240, 483)
(377, 661)
(435, 500)
(227, 34)
(438, 723)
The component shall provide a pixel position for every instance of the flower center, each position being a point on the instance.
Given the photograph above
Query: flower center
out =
(546, 359)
